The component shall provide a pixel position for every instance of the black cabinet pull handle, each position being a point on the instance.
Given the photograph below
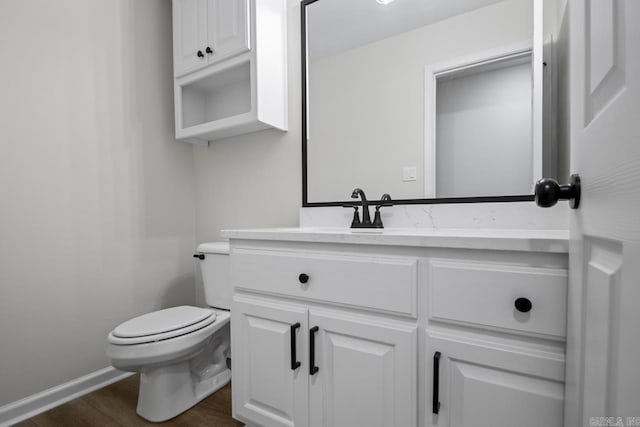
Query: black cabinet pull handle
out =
(523, 305)
(200, 54)
(294, 360)
(313, 369)
(436, 382)
(548, 192)
(200, 256)
(303, 278)
(208, 50)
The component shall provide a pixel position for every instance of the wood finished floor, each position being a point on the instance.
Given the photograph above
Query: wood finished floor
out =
(115, 405)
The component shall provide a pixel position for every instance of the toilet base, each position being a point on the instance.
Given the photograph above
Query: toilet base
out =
(177, 373)
(167, 391)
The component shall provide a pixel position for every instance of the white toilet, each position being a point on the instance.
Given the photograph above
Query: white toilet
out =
(181, 352)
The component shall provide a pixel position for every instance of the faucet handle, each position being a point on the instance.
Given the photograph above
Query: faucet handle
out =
(377, 219)
(355, 223)
(385, 200)
(356, 218)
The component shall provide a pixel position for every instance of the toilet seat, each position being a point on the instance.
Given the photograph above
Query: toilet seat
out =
(137, 356)
(162, 325)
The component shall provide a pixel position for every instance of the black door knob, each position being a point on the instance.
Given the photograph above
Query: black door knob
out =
(200, 54)
(523, 305)
(303, 278)
(208, 50)
(548, 192)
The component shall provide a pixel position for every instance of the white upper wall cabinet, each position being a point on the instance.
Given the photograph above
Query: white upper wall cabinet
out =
(189, 35)
(206, 31)
(228, 28)
(230, 67)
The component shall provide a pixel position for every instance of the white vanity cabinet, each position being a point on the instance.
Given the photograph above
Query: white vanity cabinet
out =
(371, 314)
(225, 82)
(363, 371)
(314, 350)
(206, 31)
(494, 342)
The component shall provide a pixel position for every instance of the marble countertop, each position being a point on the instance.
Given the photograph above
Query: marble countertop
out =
(553, 241)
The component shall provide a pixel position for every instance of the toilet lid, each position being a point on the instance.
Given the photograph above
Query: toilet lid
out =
(163, 321)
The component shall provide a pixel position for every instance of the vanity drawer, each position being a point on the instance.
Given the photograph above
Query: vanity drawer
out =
(485, 295)
(373, 282)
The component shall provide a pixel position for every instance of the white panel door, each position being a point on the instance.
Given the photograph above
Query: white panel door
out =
(366, 373)
(485, 386)
(603, 341)
(228, 32)
(267, 390)
(189, 35)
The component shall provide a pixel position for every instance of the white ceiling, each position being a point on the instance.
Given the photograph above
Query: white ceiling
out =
(335, 26)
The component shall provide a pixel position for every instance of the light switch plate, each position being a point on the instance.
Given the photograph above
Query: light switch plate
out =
(409, 173)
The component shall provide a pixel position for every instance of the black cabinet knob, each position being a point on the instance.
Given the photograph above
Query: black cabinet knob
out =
(523, 305)
(200, 54)
(548, 192)
(199, 256)
(303, 278)
(208, 50)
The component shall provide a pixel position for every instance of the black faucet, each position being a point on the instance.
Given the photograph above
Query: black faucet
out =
(366, 219)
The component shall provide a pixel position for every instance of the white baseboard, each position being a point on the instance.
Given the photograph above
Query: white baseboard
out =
(30, 406)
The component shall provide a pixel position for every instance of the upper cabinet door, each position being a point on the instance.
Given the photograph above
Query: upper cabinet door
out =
(228, 32)
(189, 35)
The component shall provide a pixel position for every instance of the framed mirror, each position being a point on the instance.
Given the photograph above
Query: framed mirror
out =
(430, 101)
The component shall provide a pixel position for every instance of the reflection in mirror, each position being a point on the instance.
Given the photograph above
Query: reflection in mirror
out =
(482, 118)
(420, 99)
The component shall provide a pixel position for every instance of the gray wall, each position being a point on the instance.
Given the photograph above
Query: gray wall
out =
(97, 202)
(254, 180)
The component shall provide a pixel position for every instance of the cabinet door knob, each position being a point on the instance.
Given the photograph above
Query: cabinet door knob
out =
(200, 54)
(208, 50)
(303, 278)
(523, 305)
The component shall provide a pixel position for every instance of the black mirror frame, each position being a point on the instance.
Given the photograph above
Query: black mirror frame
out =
(305, 201)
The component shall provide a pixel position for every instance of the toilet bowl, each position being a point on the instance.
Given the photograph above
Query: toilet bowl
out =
(181, 352)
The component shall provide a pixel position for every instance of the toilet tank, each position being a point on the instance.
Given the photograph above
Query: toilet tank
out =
(215, 274)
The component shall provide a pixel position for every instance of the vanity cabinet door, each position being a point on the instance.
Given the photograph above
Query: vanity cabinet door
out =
(267, 391)
(484, 386)
(366, 372)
